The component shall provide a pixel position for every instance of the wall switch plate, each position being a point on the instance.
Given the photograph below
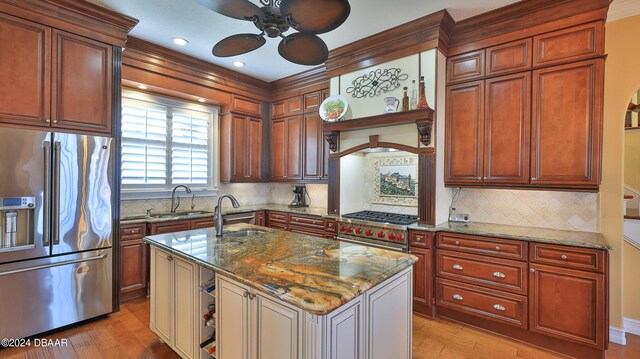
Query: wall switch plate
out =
(459, 217)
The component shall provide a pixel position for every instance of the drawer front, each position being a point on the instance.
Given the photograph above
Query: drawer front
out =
(503, 248)
(514, 56)
(465, 67)
(572, 44)
(278, 217)
(308, 232)
(569, 257)
(170, 227)
(278, 225)
(202, 223)
(421, 239)
(482, 302)
(133, 231)
(316, 223)
(330, 226)
(500, 274)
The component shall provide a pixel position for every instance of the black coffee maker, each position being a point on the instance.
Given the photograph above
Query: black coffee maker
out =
(299, 197)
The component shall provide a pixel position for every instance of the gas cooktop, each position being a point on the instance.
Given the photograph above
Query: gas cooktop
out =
(383, 217)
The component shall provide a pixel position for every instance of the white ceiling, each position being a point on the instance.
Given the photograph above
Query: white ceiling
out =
(161, 20)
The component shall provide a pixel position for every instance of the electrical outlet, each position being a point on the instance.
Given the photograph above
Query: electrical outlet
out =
(459, 217)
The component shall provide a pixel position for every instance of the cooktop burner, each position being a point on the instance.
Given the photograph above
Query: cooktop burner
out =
(383, 217)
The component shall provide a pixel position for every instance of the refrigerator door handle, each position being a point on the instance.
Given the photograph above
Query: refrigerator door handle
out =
(46, 234)
(56, 264)
(56, 193)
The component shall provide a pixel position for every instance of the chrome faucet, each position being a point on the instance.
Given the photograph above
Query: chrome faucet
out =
(235, 204)
(174, 205)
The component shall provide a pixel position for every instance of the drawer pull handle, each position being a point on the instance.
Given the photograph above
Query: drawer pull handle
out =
(564, 256)
(457, 243)
(532, 270)
(499, 307)
(245, 294)
(457, 267)
(457, 297)
(497, 248)
(499, 275)
(169, 258)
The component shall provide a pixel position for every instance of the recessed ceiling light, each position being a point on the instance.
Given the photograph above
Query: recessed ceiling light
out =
(142, 87)
(202, 100)
(238, 63)
(180, 41)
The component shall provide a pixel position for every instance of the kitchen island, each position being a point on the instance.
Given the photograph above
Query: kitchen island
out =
(266, 293)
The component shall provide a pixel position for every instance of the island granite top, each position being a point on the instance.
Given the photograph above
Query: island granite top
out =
(529, 234)
(314, 274)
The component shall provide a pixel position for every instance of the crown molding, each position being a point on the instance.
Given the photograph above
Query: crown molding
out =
(314, 79)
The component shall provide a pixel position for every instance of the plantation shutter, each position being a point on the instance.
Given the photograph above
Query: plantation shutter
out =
(189, 151)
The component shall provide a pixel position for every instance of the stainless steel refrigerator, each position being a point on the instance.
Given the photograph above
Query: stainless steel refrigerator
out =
(56, 216)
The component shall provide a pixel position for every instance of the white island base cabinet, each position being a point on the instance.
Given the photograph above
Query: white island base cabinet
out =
(254, 325)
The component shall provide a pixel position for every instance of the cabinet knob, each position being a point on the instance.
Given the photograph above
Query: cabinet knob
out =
(499, 307)
(564, 256)
(532, 270)
(485, 177)
(497, 248)
(457, 243)
(169, 258)
(245, 294)
(499, 275)
(533, 178)
(47, 120)
(457, 267)
(252, 296)
(479, 178)
(457, 297)
(55, 121)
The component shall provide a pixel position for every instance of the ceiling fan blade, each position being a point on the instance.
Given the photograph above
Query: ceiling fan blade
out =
(238, 9)
(316, 16)
(304, 49)
(238, 44)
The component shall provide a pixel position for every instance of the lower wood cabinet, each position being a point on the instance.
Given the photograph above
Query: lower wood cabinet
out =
(421, 246)
(169, 227)
(133, 261)
(304, 224)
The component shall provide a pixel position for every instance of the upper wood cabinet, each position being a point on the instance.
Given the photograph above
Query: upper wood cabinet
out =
(288, 107)
(286, 148)
(567, 124)
(464, 129)
(313, 146)
(52, 78)
(82, 77)
(312, 102)
(240, 148)
(246, 106)
(574, 43)
(25, 82)
(465, 67)
(510, 57)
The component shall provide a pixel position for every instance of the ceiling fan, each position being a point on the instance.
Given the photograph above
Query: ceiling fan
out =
(274, 18)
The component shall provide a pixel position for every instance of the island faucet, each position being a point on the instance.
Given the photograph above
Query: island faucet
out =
(174, 205)
(235, 204)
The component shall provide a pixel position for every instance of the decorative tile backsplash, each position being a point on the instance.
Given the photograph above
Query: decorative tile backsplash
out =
(374, 164)
(140, 206)
(545, 209)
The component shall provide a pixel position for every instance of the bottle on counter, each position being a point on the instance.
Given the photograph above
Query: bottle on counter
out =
(422, 102)
(405, 100)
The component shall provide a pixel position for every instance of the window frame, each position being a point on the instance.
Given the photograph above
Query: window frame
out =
(148, 191)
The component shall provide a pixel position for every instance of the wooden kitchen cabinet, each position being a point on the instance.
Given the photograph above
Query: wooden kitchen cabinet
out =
(487, 126)
(133, 267)
(169, 227)
(566, 126)
(261, 218)
(421, 246)
(313, 151)
(568, 304)
(286, 149)
(53, 78)
(465, 67)
(240, 148)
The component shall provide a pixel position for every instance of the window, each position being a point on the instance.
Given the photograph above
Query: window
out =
(166, 143)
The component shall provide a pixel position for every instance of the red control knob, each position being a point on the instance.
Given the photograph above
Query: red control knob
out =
(380, 234)
(368, 232)
(349, 229)
(391, 236)
(399, 237)
(343, 228)
(358, 230)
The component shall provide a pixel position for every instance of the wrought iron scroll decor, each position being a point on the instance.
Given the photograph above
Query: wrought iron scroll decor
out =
(275, 3)
(377, 82)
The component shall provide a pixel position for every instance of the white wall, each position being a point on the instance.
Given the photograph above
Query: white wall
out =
(352, 195)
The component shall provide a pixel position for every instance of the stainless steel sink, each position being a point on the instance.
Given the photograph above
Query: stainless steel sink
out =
(244, 233)
(161, 215)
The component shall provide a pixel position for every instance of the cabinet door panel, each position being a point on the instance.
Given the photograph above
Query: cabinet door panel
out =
(82, 78)
(254, 149)
(566, 124)
(133, 266)
(465, 67)
(202, 223)
(279, 329)
(313, 149)
(312, 102)
(574, 43)
(184, 309)
(278, 149)
(170, 227)
(293, 106)
(510, 57)
(277, 109)
(422, 280)
(161, 294)
(507, 123)
(568, 304)
(25, 83)
(233, 321)
(238, 134)
(464, 133)
(246, 105)
(294, 148)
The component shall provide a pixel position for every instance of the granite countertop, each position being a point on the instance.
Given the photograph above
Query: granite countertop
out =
(314, 274)
(530, 234)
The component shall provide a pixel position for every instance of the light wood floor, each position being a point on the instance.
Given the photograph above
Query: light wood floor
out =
(125, 335)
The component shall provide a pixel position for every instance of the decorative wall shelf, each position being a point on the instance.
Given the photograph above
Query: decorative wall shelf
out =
(423, 118)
